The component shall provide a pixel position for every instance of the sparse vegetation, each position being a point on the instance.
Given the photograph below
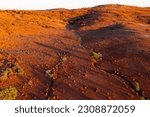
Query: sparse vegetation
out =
(8, 93)
(5, 73)
(97, 56)
(52, 74)
(64, 58)
(17, 69)
(76, 49)
(136, 86)
(8, 68)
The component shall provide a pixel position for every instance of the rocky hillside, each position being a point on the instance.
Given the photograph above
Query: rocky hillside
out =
(93, 53)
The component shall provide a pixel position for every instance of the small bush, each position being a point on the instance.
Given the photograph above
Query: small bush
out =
(96, 56)
(64, 58)
(5, 73)
(8, 93)
(136, 86)
(8, 69)
(52, 74)
(18, 69)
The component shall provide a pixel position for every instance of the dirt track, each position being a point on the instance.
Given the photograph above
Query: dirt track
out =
(62, 41)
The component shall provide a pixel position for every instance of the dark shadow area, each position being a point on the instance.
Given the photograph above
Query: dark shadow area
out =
(67, 51)
(84, 20)
(106, 33)
(143, 19)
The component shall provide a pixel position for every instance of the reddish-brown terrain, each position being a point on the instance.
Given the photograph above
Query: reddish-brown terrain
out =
(54, 49)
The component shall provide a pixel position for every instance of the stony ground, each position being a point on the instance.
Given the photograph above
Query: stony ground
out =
(94, 53)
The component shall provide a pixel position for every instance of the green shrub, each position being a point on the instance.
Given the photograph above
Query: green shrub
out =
(97, 56)
(8, 93)
(3, 75)
(8, 69)
(18, 69)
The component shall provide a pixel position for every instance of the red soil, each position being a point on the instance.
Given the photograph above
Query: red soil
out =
(62, 40)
